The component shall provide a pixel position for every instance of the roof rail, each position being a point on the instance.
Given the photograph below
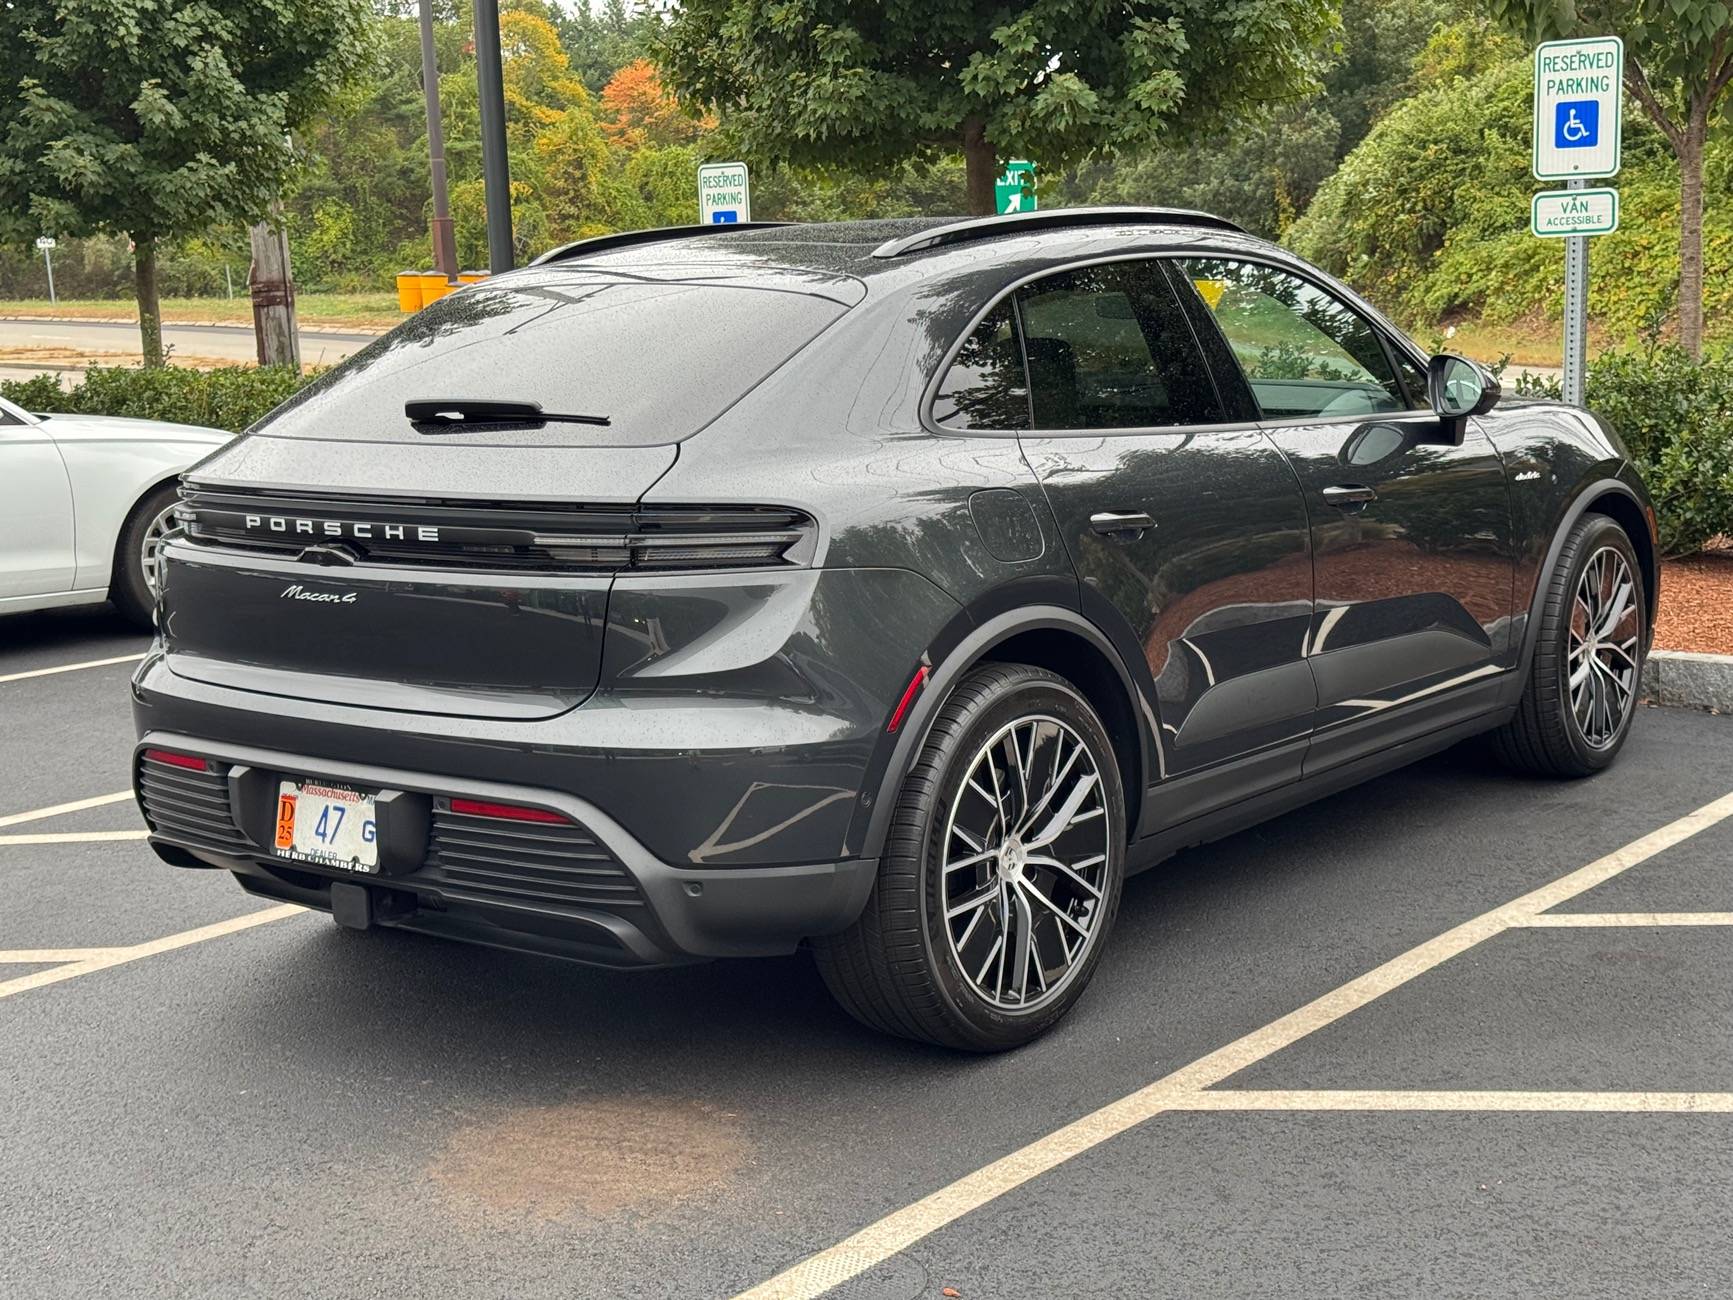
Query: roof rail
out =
(627, 238)
(1019, 223)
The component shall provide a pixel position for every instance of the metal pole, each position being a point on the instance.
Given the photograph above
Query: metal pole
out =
(495, 169)
(444, 239)
(1576, 310)
(48, 261)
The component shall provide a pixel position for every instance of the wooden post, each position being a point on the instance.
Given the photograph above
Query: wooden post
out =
(273, 291)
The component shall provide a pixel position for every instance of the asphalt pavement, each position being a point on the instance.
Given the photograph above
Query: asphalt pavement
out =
(1525, 1099)
(35, 344)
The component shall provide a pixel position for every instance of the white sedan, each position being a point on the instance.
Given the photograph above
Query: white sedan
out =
(84, 502)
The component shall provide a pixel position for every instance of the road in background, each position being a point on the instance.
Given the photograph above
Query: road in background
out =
(38, 346)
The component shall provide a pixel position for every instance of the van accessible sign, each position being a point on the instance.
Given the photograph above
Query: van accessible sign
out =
(1557, 213)
(1578, 107)
(724, 195)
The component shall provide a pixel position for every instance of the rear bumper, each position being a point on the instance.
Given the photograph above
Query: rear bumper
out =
(624, 907)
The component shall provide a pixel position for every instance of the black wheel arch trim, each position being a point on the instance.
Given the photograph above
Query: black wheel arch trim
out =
(1582, 501)
(974, 647)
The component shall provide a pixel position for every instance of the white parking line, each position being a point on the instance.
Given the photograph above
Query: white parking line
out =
(1719, 1103)
(52, 956)
(73, 837)
(901, 1229)
(77, 805)
(70, 668)
(1630, 918)
(120, 956)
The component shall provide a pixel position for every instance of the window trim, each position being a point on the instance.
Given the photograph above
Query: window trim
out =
(1393, 340)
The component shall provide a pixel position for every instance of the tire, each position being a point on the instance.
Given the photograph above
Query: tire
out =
(130, 588)
(1552, 733)
(907, 968)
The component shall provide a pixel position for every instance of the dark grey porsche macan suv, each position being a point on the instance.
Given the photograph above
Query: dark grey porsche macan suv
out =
(892, 587)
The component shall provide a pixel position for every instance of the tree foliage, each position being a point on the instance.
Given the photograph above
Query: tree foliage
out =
(1678, 65)
(831, 81)
(1262, 170)
(1429, 215)
(158, 117)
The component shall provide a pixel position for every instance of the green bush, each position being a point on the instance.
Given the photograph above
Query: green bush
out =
(1429, 215)
(231, 398)
(1675, 415)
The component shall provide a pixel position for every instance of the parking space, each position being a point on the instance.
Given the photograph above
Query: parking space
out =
(1331, 1056)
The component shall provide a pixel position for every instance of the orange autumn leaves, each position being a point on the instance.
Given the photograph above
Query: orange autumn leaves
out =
(638, 112)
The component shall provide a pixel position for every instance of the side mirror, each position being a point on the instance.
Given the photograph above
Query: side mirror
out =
(1458, 388)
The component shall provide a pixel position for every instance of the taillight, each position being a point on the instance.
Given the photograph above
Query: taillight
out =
(189, 761)
(682, 538)
(511, 812)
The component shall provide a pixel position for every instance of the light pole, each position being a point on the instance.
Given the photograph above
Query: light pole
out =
(495, 168)
(444, 241)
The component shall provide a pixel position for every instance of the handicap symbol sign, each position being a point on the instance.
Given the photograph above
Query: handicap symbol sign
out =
(723, 216)
(1576, 123)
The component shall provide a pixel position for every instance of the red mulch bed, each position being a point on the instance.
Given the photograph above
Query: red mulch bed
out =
(1697, 604)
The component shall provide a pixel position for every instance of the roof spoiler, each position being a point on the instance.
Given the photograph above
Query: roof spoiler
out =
(1021, 223)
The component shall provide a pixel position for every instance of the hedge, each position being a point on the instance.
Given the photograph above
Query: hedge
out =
(229, 398)
(1676, 417)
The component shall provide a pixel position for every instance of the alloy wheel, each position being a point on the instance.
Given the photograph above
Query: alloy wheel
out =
(1024, 863)
(150, 547)
(1605, 627)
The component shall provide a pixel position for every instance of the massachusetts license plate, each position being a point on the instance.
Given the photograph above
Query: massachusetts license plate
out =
(328, 825)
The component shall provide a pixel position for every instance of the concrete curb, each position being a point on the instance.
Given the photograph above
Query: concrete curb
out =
(1689, 680)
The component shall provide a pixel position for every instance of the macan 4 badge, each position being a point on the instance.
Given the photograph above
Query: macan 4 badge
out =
(295, 591)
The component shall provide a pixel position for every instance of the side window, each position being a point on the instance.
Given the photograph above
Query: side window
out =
(1109, 348)
(1304, 352)
(985, 387)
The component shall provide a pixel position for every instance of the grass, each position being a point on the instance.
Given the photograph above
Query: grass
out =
(363, 310)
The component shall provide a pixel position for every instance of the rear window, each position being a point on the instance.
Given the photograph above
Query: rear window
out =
(659, 358)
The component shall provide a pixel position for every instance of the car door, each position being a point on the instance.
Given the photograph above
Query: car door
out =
(1186, 528)
(1411, 536)
(36, 552)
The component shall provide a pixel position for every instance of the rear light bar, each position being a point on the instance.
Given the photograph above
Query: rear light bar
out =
(188, 761)
(674, 550)
(499, 537)
(511, 812)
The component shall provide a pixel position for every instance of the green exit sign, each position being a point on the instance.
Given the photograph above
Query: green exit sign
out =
(1014, 191)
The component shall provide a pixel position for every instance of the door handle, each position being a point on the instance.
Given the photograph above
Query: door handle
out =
(1349, 496)
(1123, 525)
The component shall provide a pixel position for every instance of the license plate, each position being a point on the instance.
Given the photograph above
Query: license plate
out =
(328, 825)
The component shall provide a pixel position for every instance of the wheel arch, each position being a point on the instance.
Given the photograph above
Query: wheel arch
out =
(1620, 502)
(1624, 509)
(1052, 637)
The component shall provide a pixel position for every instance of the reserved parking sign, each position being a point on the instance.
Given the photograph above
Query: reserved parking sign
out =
(1578, 107)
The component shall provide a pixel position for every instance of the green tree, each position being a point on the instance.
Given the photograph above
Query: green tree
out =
(159, 117)
(1678, 64)
(823, 81)
(1264, 167)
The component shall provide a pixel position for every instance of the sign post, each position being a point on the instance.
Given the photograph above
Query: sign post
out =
(1578, 120)
(724, 194)
(1014, 191)
(46, 244)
